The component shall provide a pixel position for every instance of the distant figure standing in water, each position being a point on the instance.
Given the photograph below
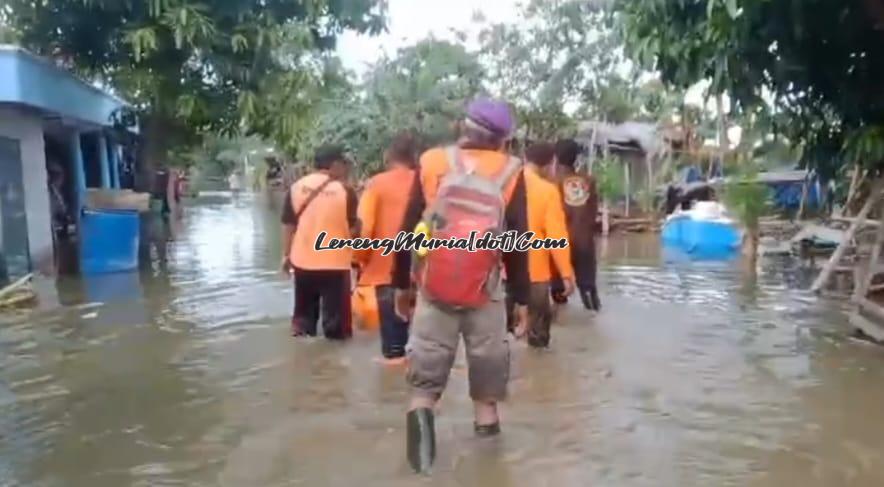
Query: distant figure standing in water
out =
(234, 182)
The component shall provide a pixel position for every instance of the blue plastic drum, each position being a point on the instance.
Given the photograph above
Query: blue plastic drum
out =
(108, 241)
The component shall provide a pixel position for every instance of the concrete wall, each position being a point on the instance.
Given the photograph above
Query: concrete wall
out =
(28, 129)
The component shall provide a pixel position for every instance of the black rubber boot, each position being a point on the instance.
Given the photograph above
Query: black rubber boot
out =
(590, 298)
(487, 430)
(596, 303)
(421, 440)
(587, 300)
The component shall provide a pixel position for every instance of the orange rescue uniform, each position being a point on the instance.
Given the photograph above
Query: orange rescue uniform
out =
(327, 213)
(546, 219)
(381, 210)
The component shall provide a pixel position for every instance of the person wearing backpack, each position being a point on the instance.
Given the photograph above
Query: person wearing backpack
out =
(473, 186)
(546, 219)
(320, 202)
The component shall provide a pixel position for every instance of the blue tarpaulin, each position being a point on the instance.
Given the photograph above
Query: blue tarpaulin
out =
(787, 186)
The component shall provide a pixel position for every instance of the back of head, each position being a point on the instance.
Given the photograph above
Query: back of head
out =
(488, 124)
(567, 152)
(327, 155)
(541, 153)
(403, 149)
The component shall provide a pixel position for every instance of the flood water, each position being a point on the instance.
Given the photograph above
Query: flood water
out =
(694, 374)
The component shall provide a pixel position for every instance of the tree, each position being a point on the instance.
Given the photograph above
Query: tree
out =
(820, 60)
(567, 57)
(423, 88)
(192, 68)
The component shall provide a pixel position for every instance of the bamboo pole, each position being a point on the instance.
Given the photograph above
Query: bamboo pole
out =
(11, 288)
(802, 204)
(859, 176)
(871, 308)
(861, 287)
(826, 272)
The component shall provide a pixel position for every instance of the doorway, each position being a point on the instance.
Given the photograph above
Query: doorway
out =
(15, 255)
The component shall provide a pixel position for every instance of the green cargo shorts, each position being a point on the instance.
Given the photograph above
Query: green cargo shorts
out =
(432, 346)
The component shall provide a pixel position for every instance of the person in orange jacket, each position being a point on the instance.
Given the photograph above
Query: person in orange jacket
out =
(546, 219)
(381, 210)
(321, 203)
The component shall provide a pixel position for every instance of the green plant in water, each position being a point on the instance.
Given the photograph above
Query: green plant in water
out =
(609, 178)
(748, 200)
(645, 199)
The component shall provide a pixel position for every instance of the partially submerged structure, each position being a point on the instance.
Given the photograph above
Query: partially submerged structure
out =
(645, 148)
(50, 121)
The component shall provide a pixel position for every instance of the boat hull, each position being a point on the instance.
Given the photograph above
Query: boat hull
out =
(701, 236)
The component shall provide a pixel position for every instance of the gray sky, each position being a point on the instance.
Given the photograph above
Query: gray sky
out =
(410, 21)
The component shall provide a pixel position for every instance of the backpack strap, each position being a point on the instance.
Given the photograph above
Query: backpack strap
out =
(454, 160)
(513, 166)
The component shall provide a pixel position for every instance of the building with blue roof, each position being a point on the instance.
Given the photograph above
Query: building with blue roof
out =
(50, 122)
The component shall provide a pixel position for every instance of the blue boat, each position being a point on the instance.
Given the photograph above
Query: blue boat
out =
(704, 229)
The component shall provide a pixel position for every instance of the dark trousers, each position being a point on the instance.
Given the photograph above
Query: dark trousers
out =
(327, 291)
(539, 315)
(583, 259)
(394, 331)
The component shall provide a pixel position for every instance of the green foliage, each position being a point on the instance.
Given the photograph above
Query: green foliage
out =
(821, 61)
(217, 66)
(424, 89)
(746, 197)
(610, 179)
(566, 55)
(218, 156)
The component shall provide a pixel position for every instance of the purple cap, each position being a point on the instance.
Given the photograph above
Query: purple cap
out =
(493, 115)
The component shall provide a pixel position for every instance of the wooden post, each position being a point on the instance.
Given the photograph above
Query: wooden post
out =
(856, 181)
(606, 220)
(650, 166)
(626, 177)
(861, 286)
(592, 149)
(827, 270)
(803, 202)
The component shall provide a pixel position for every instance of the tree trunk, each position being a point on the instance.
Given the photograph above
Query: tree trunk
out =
(723, 143)
(750, 245)
(606, 221)
(830, 266)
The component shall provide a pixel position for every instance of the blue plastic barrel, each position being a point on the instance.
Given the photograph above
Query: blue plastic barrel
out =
(108, 241)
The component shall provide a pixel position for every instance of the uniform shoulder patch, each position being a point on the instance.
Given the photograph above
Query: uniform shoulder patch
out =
(575, 191)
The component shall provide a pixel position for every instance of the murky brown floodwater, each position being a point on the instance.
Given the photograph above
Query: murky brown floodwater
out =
(693, 375)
